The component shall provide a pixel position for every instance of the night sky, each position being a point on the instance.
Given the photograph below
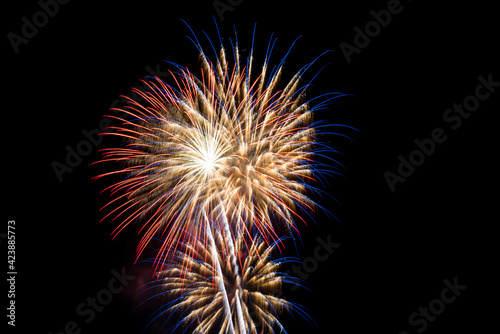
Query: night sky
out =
(415, 206)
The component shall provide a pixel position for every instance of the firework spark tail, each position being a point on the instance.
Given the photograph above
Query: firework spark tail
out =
(220, 278)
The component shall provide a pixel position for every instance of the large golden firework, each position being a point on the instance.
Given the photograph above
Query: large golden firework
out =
(221, 146)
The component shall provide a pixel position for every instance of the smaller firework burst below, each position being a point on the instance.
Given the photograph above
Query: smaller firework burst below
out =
(190, 289)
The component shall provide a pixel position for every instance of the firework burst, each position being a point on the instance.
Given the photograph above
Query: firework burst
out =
(190, 287)
(219, 166)
(223, 146)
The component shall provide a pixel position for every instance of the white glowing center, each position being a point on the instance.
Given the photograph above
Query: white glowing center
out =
(207, 155)
(208, 161)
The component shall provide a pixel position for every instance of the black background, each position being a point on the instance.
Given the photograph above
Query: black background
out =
(396, 247)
